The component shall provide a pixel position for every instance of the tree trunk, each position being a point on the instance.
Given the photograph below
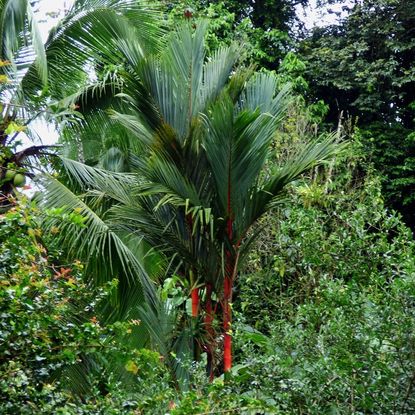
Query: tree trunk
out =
(227, 320)
(209, 331)
(195, 302)
(227, 300)
(195, 315)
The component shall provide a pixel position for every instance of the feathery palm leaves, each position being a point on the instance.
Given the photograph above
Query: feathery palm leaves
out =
(32, 75)
(205, 131)
(33, 80)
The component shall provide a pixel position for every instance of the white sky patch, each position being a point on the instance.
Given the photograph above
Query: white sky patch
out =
(49, 13)
(312, 16)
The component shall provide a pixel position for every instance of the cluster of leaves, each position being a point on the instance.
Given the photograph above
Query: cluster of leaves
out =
(326, 313)
(392, 150)
(348, 349)
(349, 236)
(53, 347)
(363, 66)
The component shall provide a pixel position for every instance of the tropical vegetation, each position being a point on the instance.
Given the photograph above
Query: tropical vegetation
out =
(224, 222)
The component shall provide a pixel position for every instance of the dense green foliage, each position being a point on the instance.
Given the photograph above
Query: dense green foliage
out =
(42, 332)
(266, 28)
(349, 349)
(363, 67)
(333, 288)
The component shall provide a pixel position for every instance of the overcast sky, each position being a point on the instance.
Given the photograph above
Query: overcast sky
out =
(49, 11)
(311, 17)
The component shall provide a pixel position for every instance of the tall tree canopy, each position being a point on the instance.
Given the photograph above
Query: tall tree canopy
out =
(364, 67)
(267, 27)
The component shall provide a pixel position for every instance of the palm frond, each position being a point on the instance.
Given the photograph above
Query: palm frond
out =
(89, 35)
(20, 40)
(37, 44)
(93, 240)
(314, 153)
(260, 94)
(135, 125)
(162, 321)
(216, 73)
(115, 185)
(269, 194)
(175, 79)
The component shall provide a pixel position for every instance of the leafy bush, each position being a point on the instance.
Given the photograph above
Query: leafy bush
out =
(347, 235)
(348, 350)
(326, 313)
(53, 347)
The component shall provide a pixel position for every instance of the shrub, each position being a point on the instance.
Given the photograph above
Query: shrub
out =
(326, 313)
(348, 350)
(56, 355)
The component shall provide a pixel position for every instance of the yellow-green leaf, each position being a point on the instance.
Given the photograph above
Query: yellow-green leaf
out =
(130, 366)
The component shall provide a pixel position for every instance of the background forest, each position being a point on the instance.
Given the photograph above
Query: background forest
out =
(225, 224)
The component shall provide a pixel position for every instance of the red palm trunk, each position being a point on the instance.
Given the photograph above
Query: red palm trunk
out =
(195, 302)
(227, 300)
(195, 315)
(228, 280)
(227, 318)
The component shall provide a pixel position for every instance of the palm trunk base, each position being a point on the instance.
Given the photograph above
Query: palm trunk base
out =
(227, 318)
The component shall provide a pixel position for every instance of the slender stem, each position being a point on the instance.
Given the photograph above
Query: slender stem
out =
(209, 330)
(231, 272)
(193, 282)
(195, 314)
(227, 285)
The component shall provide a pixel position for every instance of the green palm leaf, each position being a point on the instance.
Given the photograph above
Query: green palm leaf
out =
(95, 242)
(90, 34)
(19, 31)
